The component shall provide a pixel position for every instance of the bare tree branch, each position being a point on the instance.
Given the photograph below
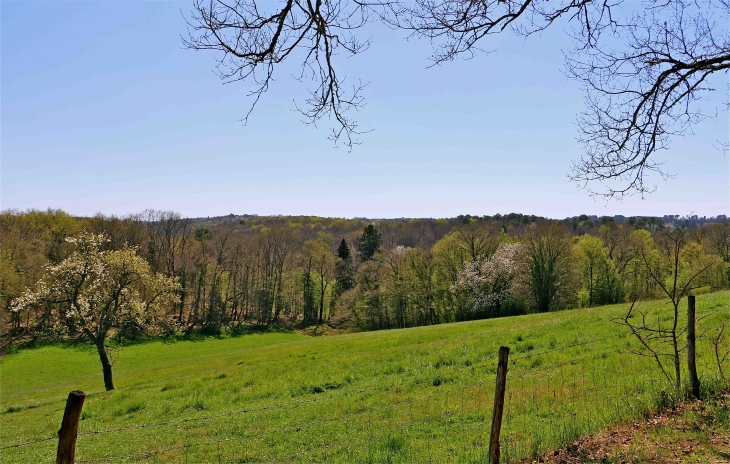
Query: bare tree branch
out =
(644, 66)
(253, 42)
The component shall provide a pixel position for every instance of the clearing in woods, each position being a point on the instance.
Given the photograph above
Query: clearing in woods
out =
(410, 395)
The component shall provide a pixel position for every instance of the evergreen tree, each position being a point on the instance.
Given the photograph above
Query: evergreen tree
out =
(344, 272)
(343, 251)
(368, 243)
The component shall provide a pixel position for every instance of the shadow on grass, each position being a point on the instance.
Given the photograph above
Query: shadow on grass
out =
(30, 343)
(83, 344)
(211, 333)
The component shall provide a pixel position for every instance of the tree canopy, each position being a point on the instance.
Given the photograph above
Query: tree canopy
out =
(286, 270)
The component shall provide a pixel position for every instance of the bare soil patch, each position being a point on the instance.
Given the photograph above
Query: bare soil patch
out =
(691, 432)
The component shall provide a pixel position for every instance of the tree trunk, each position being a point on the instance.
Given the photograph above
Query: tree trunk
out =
(322, 291)
(675, 343)
(106, 365)
(183, 294)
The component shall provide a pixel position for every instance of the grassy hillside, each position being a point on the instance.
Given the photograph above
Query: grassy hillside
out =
(412, 395)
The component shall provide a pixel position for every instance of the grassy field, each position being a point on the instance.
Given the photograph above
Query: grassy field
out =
(413, 395)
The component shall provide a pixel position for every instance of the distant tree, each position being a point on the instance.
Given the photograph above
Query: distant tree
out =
(368, 243)
(449, 256)
(597, 270)
(718, 243)
(394, 282)
(343, 251)
(548, 257)
(719, 239)
(119, 230)
(169, 239)
(423, 287)
(617, 239)
(202, 236)
(30, 240)
(274, 248)
(216, 313)
(320, 262)
(344, 274)
(95, 293)
(488, 280)
(344, 270)
(479, 239)
(308, 304)
(369, 303)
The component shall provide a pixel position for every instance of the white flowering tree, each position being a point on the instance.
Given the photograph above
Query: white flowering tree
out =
(489, 281)
(95, 293)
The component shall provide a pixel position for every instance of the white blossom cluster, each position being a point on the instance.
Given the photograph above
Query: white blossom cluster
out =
(94, 291)
(489, 281)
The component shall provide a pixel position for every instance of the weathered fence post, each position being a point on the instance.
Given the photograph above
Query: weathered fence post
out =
(69, 428)
(498, 404)
(694, 381)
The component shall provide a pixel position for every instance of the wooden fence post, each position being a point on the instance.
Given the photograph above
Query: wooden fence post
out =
(69, 428)
(498, 404)
(694, 381)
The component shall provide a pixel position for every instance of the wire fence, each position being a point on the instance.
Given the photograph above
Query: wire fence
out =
(394, 427)
(553, 397)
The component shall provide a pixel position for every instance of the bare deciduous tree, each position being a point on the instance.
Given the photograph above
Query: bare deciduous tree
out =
(720, 353)
(676, 276)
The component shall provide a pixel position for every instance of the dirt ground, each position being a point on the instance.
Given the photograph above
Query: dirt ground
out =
(692, 432)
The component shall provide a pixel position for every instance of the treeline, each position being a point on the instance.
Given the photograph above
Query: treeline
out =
(361, 274)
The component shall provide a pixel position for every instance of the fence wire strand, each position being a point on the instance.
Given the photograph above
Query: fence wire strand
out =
(275, 406)
(276, 430)
(558, 396)
(28, 443)
(532, 354)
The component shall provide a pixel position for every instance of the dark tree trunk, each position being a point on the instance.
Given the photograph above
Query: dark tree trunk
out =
(106, 365)
(323, 290)
(183, 295)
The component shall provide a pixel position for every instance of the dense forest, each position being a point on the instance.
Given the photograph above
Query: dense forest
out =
(363, 274)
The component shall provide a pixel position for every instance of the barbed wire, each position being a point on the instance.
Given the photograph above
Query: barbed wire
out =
(227, 414)
(529, 372)
(416, 381)
(277, 429)
(274, 406)
(28, 443)
(324, 398)
(145, 454)
(314, 450)
(513, 357)
(532, 354)
(251, 410)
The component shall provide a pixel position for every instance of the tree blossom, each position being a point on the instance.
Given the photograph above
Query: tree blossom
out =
(95, 292)
(489, 281)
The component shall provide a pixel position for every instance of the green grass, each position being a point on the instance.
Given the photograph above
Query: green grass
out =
(413, 395)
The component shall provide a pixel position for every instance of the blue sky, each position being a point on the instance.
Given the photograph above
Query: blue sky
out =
(104, 111)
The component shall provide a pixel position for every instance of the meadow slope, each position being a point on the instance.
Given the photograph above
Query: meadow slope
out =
(410, 395)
